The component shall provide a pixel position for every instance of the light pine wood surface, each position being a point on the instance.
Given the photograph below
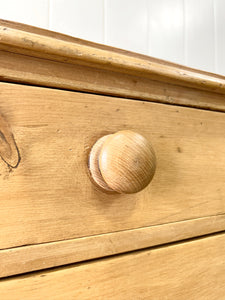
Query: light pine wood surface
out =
(125, 161)
(46, 255)
(39, 57)
(21, 41)
(51, 213)
(194, 270)
(43, 72)
(49, 195)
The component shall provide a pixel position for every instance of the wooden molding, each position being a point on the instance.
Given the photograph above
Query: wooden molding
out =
(41, 256)
(191, 270)
(110, 68)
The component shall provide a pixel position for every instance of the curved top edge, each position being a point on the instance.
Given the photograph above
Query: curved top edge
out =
(43, 43)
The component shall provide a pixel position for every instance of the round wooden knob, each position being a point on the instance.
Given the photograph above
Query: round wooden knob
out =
(122, 162)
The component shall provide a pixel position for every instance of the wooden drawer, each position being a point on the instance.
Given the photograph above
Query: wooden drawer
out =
(48, 195)
(193, 270)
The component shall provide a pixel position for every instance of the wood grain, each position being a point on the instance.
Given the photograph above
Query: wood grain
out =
(50, 197)
(64, 37)
(193, 270)
(36, 257)
(126, 162)
(27, 43)
(44, 72)
(50, 59)
(9, 152)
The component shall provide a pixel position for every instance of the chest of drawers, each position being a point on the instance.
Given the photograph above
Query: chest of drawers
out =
(59, 96)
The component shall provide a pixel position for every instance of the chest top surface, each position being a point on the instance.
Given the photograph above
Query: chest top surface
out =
(40, 57)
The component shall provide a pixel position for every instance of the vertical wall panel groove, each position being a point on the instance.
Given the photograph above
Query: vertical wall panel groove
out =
(104, 21)
(126, 24)
(184, 34)
(83, 19)
(215, 37)
(219, 7)
(166, 29)
(200, 34)
(32, 12)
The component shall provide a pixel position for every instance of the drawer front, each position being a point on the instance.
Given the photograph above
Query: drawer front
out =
(47, 194)
(193, 270)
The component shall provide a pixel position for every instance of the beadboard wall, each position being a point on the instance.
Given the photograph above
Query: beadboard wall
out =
(189, 32)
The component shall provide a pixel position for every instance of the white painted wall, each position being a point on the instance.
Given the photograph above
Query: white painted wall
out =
(189, 32)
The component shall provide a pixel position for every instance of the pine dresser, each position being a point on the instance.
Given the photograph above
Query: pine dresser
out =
(112, 173)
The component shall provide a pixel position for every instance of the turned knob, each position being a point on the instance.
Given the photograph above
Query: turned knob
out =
(123, 162)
